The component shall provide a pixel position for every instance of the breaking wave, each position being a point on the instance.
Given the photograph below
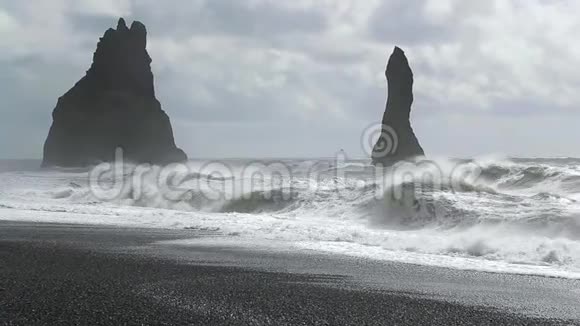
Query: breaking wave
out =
(522, 212)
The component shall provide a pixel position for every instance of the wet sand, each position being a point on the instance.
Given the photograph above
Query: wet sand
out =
(80, 274)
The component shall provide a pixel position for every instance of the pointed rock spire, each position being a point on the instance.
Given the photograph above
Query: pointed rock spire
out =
(397, 141)
(121, 25)
(139, 33)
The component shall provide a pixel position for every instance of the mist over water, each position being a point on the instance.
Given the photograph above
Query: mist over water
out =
(492, 214)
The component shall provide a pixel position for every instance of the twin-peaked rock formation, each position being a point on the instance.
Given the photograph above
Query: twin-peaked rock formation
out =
(113, 106)
(397, 141)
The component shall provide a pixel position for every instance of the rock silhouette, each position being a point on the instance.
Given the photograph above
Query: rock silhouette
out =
(397, 141)
(113, 106)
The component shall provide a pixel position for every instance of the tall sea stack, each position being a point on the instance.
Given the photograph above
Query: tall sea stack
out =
(113, 106)
(397, 141)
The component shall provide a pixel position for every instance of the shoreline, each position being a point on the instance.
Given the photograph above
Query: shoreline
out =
(152, 282)
(182, 239)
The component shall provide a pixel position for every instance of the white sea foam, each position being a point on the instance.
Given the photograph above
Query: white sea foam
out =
(510, 216)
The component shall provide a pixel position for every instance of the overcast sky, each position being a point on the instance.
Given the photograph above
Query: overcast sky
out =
(303, 78)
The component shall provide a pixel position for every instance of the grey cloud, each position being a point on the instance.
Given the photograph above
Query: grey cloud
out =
(333, 90)
(91, 24)
(402, 22)
(409, 23)
(27, 103)
(263, 78)
(239, 18)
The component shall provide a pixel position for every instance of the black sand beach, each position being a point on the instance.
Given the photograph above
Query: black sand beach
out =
(74, 274)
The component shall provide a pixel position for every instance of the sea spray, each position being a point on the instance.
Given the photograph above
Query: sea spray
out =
(490, 214)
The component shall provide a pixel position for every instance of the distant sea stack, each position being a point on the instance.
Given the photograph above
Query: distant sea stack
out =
(113, 106)
(397, 141)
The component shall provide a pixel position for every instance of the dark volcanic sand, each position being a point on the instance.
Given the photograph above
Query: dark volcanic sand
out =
(93, 275)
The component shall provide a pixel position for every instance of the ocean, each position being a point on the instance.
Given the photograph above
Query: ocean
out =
(490, 214)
